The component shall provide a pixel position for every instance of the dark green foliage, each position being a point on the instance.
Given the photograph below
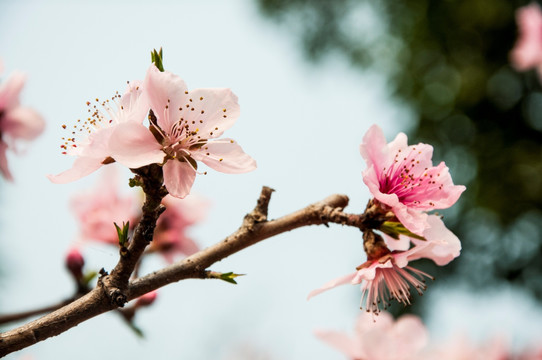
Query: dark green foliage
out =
(449, 60)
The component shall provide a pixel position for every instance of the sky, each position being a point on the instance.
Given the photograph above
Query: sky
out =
(302, 123)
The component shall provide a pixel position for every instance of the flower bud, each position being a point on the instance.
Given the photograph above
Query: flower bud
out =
(75, 263)
(146, 300)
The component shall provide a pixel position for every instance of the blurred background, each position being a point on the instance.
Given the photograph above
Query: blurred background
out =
(311, 77)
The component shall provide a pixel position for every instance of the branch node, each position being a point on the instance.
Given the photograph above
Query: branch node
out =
(259, 214)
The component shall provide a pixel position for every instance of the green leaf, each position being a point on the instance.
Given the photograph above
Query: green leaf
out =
(394, 229)
(122, 233)
(136, 330)
(157, 59)
(228, 277)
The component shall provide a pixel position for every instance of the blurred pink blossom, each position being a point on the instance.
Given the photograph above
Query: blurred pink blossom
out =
(146, 300)
(380, 338)
(527, 53)
(390, 277)
(90, 140)
(170, 235)
(16, 121)
(532, 353)
(98, 208)
(185, 124)
(403, 179)
(460, 348)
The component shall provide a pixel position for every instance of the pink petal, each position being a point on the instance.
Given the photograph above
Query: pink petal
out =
(399, 143)
(342, 342)
(133, 145)
(178, 178)
(527, 52)
(347, 279)
(401, 244)
(225, 156)
(374, 149)
(369, 273)
(4, 162)
(82, 166)
(414, 220)
(441, 245)
(215, 111)
(412, 334)
(400, 341)
(134, 104)
(166, 94)
(368, 322)
(22, 122)
(10, 90)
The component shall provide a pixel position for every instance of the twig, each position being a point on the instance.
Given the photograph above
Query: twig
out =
(114, 290)
(4, 319)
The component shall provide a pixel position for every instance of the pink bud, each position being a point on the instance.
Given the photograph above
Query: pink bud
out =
(147, 299)
(75, 263)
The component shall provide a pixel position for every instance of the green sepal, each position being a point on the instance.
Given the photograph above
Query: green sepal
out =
(156, 58)
(122, 233)
(394, 229)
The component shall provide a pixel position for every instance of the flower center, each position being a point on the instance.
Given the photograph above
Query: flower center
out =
(407, 179)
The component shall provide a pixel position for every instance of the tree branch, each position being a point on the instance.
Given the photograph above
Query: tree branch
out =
(114, 290)
(4, 319)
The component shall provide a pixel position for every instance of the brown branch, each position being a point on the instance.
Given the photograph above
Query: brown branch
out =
(4, 319)
(114, 290)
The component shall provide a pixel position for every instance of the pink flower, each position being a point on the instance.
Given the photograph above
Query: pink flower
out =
(100, 207)
(527, 52)
(16, 121)
(403, 179)
(170, 235)
(389, 276)
(94, 148)
(380, 338)
(186, 122)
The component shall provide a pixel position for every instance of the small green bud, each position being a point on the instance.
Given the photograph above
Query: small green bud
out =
(123, 233)
(157, 58)
(228, 277)
(394, 229)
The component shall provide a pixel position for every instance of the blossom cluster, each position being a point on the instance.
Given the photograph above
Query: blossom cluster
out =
(184, 127)
(97, 210)
(405, 186)
(407, 338)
